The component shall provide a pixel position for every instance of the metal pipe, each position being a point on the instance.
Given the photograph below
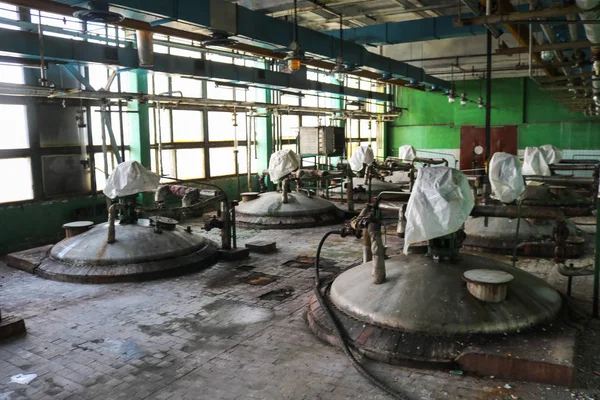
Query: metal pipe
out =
(43, 72)
(145, 48)
(112, 211)
(574, 167)
(378, 251)
(349, 188)
(518, 16)
(513, 212)
(541, 47)
(226, 227)
(366, 246)
(560, 180)
(488, 95)
(284, 191)
(249, 150)
(597, 263)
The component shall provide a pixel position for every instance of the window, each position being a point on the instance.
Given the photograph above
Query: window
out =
(187, 126)
(290, 125)
(14, 124)
(188, 87)
(214, 91)
(18, 182)
(190, 164)
(220, 126)
(222, 161)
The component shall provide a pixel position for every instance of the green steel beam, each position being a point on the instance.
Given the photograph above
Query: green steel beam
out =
(65, 50)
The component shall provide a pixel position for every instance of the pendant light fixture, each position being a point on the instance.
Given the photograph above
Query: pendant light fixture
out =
(294, 58)
(341, 67)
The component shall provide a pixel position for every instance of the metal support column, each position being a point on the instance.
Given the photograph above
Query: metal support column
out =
(488, 105)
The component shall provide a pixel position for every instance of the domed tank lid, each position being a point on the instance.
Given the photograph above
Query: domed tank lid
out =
(135, 243)
(424, 296)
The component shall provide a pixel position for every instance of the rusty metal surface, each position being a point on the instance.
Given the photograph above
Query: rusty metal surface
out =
(423, 296)
(545, 354)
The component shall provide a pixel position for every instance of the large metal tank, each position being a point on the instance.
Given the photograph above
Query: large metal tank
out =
(270, 211)
(141, 250)
(424, 312)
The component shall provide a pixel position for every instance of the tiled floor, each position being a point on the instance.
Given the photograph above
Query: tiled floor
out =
(209, 335)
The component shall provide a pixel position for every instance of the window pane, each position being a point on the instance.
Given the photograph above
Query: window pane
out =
(190, 164)
(218, 93)
(188, 87)
(222, 161)
(310, 120)
(291, 100)
(289, 126)
(187, 126)
(11, 74)
(310, 101)
(17, 177)
(220, 126)
(14, 124)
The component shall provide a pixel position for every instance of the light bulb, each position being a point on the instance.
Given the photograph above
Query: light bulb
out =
(339, 76)
(451, 99)
(294, 64)
(463, 99)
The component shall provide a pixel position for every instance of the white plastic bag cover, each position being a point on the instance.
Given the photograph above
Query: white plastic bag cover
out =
(534, 162)
(552, 154)
(282, 163)
(440, 203)
(130, 177)
(506, 177)
(407, 152)
(362, 155)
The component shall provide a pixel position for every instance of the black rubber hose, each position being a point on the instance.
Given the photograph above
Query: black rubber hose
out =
(338, 333)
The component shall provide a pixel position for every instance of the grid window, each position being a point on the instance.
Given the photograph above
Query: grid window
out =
(188, 87)
(18, 180)
(187, 126)
(214, 91)
(190, 164)
(14, 124)
(220, 126)
(290, 125)
(222, 161)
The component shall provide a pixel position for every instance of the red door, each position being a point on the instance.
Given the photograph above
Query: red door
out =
(503, 138)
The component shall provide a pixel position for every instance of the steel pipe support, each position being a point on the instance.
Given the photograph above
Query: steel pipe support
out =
(112, 215)
(513, 212)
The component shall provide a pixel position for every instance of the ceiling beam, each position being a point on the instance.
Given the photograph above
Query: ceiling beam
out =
(66, 10)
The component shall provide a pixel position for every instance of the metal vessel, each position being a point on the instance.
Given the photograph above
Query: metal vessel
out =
(301, 210)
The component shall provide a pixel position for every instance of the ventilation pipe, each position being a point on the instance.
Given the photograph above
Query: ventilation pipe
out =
(592, 31)
(145, 48)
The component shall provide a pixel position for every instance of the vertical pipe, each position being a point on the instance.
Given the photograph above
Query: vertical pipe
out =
(226, 228)
(597, 262)
(43, 79)
(249, 150)
(145, 48)
(349, 188)
(488, 90)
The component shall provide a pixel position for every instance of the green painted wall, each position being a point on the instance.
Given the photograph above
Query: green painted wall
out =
(432, 123)
(36, 223)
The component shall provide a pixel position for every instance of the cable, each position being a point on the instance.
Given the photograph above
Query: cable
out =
(338, 333)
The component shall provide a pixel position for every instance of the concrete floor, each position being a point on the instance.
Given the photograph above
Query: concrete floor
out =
(209, 335)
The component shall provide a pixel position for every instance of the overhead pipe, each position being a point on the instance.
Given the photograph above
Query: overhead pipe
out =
(145, 48)
(592, 31)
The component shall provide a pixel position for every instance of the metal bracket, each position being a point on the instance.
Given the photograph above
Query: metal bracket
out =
(82, 79)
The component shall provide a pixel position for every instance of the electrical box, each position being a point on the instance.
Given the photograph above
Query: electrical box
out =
(322, 141)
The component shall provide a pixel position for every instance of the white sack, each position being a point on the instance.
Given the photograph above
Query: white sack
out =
(439, 204)
(407, 153)
(506, 177)
(362, 155)
(283, 163)
(128, 178)
(551, 154)
(534, 162)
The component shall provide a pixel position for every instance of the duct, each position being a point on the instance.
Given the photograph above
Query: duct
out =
(145, 48)
(188, 15)
(61, 50)
(408, 31)
(592, 31)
